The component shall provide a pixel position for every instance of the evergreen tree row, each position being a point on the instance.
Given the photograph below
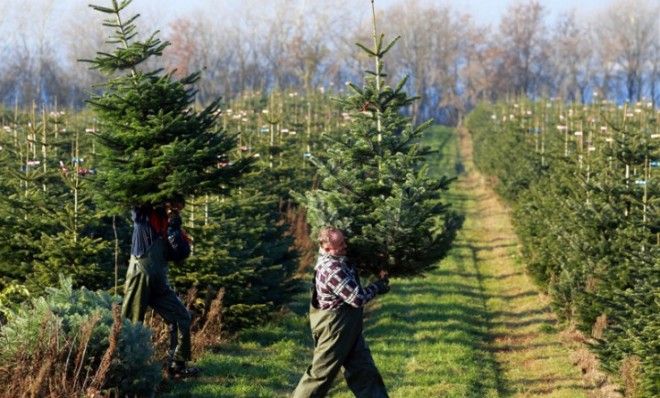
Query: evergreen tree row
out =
(583, 184)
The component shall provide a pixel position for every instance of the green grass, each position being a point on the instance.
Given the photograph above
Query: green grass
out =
(261, 362)
(446, 159)
(451, 333)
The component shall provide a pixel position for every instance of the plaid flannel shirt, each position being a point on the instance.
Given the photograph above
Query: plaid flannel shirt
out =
(337, 282)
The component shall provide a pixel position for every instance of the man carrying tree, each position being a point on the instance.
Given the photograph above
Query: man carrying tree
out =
(157, 237)
(336, 320)
(154, 146)
(373, 182)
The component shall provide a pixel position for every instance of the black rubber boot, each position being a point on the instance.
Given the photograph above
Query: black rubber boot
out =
(180, 371)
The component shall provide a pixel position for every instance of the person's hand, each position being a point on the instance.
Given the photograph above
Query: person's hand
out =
(383, 274)
(383, 285)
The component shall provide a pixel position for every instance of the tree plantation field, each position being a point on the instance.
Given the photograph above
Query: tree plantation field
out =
(268, 360)
(514, 253)
(49, 160)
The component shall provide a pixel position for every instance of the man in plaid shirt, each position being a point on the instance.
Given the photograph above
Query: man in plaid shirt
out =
(336, 319)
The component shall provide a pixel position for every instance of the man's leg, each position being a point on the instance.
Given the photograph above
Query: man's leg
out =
(333, 341)
(136, 292)
(361, 373)
(172, 310)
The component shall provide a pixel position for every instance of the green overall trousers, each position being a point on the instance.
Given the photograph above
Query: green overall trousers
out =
(338, 342)
(147, 285)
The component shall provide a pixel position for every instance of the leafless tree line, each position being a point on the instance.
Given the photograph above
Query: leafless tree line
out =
(452, 61)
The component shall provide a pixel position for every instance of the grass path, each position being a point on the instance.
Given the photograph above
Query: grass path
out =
(532, 356)
(474, 327)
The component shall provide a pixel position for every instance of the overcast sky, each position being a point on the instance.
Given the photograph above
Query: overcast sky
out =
(484, 11)
(23, 19)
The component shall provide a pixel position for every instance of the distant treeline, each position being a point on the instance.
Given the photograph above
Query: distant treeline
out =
(453, 62)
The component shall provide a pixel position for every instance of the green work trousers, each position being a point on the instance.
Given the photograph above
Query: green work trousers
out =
(338, 342)
(147, 286)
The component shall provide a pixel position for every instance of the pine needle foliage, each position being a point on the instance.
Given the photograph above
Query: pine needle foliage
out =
(242, 249)
(71, 339)
(48, 220)
(154, 143)
(373, 183)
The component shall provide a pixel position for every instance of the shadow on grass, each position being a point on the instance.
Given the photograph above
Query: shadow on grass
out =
(500, 385)
(266, 360)
(485, 247)
(518, 337)
(451, 313)
(445, 272)
(466, 290)
(547, 385)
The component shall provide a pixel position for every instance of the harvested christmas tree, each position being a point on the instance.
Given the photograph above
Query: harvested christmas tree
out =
(374, 185)
(155, 144)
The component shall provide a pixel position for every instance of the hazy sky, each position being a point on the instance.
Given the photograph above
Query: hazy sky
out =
(489, 11)
(484, 11)
(21, 19)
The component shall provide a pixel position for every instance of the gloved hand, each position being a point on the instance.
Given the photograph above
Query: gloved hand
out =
(383, 285)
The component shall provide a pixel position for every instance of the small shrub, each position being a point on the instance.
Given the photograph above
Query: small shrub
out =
(72, 341)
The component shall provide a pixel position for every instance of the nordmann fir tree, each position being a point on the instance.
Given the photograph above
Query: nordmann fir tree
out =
(20, 194)
(154, 144)
(75, 246)
(373, 183)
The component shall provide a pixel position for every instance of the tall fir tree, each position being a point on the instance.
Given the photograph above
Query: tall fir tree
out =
(374, 185)
(155, 145)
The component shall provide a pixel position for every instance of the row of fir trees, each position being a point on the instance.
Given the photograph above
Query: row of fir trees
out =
(583, 183)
